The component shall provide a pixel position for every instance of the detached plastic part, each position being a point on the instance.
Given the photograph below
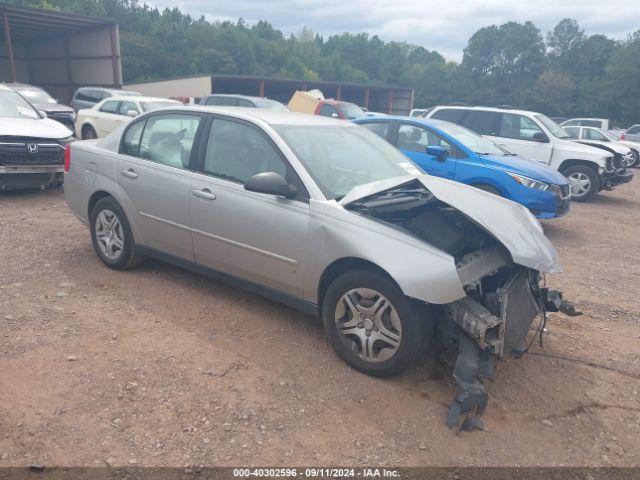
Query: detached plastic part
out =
(555, 303)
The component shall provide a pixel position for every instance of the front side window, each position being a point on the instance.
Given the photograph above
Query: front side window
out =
(573, 132)
(329, 111)
(341, 158)
(126, 107)
(379, 128)
(417, 139)
(168, 138)
(237, 152)
(517, 127)
(110, 106)
(593, 134)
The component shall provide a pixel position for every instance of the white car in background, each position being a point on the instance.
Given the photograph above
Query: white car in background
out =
(106, 116)
(629, 150)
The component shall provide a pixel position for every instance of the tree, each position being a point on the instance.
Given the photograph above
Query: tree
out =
(564, 38)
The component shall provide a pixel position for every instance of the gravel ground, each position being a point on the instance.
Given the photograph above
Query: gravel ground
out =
(162, 367)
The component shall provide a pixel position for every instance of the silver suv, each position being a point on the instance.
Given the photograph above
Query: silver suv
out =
(87, 97)
(322, 215)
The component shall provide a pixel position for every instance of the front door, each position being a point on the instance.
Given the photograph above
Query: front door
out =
(257, 237)
(154, 173)
(516, 134)
(413, 140)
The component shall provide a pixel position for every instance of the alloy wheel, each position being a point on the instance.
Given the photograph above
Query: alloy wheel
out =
(580, 184)
(369, 323)
(109, 234)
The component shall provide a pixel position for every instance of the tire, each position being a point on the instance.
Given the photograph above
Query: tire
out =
(636, 158)
(404, 322)
(589, 186)
(88, 132)
(116, 239)
(488, 188)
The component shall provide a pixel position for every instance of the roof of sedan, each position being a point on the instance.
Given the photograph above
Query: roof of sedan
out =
(272, 117)
(433, 122)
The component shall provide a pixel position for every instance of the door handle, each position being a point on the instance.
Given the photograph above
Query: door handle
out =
(131, 173)
(205, 194)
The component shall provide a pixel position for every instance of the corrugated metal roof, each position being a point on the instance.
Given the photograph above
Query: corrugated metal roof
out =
(32, 24)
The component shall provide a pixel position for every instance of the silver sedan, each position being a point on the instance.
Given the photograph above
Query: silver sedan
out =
(324, 216)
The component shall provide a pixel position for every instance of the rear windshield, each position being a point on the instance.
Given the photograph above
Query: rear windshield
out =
(351, 111)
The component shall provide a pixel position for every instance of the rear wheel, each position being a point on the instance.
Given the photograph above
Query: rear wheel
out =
(373, 326)
(636, 158)
(88, 132)
(111, 235)
(584, 182)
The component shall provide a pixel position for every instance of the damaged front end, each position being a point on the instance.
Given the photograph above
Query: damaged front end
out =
(502, 278)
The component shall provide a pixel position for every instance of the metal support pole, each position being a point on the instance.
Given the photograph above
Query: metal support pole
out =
(9, 44)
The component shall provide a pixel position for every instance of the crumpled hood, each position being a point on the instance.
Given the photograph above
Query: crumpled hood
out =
(522, 166)
(53, 107)
(509, 222)
(621, 149)
(38, 128)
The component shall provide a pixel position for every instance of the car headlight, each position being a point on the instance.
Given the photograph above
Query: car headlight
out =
(530, 182)
(65, 141)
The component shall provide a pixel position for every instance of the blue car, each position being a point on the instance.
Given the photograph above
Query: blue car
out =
(447, 150)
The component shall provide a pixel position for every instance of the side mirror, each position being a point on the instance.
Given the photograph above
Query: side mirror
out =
(440, 153)
(132, 113)
(540, 137)
(335, 115)
(272, 184)
(42, 113)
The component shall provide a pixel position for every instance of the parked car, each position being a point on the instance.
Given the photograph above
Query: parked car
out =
(44, 102)
(31, 145)
(632, 133)
(534, 136)
(559, 120)
(220, 99)
(450, 151)
(602, 123)
(327, 217)
(630, 151)
(87, 97)
(104, 117)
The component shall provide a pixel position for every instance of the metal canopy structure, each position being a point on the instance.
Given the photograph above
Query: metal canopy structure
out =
(58, 51)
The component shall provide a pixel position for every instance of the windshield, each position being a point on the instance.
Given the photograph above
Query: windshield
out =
(14, 106)
(351, 111)
(36, 96)
(341, 158)
(555, 129)
(609, 135)
(148, 106)
(471, 140)
(271, 105)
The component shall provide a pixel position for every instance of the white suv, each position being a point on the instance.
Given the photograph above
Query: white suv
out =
(535, 136)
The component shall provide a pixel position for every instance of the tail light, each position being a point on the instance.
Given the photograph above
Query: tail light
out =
(67, 157)
(622, 136)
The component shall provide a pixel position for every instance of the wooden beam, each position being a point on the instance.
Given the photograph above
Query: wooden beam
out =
(261, 88)
(9, 44)
(67, 51)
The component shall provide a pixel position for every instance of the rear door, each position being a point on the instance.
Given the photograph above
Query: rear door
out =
(516, 133)
(257, 237)
(413, 140)
(154, 170)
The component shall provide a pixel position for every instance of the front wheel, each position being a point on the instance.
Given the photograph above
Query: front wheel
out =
(373, 326)
(584, 181)
(88, 133)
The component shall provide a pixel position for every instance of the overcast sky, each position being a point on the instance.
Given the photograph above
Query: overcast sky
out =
(444, 26)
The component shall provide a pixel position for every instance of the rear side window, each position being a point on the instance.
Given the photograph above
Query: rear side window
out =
(634, 130)
(518, 127)
(110, 106)
(453, 115)
(379, 128)
(88, 96)
(592, 134)
(228, 101)
(571, 123)
(213, 101)
(573, 132)
(481, 122)
(131, 140)
(168, 138)
(245, 103)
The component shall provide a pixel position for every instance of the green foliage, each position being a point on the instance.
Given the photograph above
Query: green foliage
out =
(569, 74)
